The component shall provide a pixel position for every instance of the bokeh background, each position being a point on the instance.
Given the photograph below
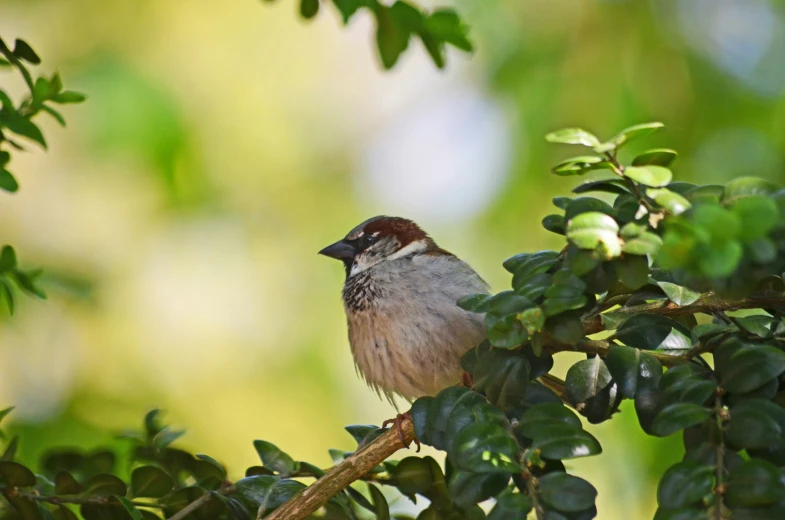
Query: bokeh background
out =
(224, 142)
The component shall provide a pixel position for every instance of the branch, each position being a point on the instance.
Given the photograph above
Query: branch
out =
(708, 303)
(339, 477)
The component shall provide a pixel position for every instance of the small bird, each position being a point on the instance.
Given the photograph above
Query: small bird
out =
(406, 332)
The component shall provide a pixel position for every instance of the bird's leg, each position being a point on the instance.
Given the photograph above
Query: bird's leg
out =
(398, 422)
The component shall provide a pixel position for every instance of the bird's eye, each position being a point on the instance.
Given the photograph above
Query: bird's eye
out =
(368, 240)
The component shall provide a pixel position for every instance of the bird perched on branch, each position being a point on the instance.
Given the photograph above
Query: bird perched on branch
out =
(406, 332)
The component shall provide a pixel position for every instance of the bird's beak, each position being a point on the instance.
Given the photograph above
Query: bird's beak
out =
(341, 250)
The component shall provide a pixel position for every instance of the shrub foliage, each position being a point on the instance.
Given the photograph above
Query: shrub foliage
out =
(673, 291)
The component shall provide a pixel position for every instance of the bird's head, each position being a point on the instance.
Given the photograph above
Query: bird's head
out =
(379, 239)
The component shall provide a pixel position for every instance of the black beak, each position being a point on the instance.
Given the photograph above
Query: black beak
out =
(341, 250)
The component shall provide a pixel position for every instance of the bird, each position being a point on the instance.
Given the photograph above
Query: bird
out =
(406, 332)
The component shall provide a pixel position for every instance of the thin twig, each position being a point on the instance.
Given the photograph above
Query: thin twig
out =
(199, 502)
(531, 486)
(719, 464)
(339, 477)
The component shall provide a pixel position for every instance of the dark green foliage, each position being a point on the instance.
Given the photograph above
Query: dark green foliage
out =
(397, 23)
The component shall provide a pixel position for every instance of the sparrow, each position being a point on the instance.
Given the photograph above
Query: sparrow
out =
(406, 332)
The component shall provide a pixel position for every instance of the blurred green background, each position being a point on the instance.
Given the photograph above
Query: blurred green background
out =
(225, 142)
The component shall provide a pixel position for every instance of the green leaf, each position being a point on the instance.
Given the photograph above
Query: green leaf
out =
(616, 186)
(69, 96)
(474, 302)
(678, 416)
(752, 424)
(757, 215)
(381, 509)
(24, 127)
(7, 259)
(756, 325)
(150, 481)
(130, 508)
(363, 433)
(504, 331)
(595, 231)
(485, 447)
(656, 157)
(573, 136)
(511, 506)
(507, 302)
(654, 332)
(679, 295)
(586, 205)
(413, 475)
(472, 488)
(644, 244)
(7, 181)
(309, 8)
(554, 224)
(741, 187)
(532, 320)
(273, 458)
(446, 25)
(23, 51)
(503, 377)
(633, 271)
(635, 132)
(750, 367)
(565, 328)
(652, 175)
(105, 485)
(66, 484)
(16, 475)
(580, 165)
(54, 113)
(722, 259)
(586, 378)
(623, 364)
(565, 294)
(685, 484)
(754, 483)
(392, 37)
(564, 442)
(566, 493)
(347, 8)
(538, 419)
(674, 203)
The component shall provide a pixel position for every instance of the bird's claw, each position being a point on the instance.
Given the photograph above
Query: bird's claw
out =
(398, 422)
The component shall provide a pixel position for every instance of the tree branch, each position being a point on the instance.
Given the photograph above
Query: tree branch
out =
(339, 477)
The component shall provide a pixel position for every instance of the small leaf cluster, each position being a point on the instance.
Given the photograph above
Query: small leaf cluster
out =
(16, 120)
(398, 23)
(13, 278)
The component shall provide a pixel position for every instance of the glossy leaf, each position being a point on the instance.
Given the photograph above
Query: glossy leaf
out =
(273, 458)
(16, 475)
(654, 332)
(511, 506)
(566, 493)
(751, 366)
(573, 136)
(678, 416)
(656, 157)
(679, 295)
(674, 203)
(651, 175)
(685, 484)
(586, 378)
(150, 481)
(755, 483)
